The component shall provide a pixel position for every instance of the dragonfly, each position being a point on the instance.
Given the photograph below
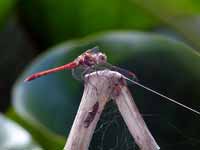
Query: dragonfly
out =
(93, 60)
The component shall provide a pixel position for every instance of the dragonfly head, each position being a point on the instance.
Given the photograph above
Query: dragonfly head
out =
(101, 58)
(92, 57)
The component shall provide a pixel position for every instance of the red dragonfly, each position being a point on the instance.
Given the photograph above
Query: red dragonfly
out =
(93, 60)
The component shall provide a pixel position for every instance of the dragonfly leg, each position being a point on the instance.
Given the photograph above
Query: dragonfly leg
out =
(74, 74)
(86, 71)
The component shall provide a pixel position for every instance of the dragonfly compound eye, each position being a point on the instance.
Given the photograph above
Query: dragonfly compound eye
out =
(102, 58)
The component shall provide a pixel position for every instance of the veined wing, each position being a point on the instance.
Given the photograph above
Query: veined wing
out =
(161, 95)
(122, 71)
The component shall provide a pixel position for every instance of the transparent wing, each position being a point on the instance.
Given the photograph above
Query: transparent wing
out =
(79, 72)
(161, 95)
(94, 50)
(122, 71)
(131, 77)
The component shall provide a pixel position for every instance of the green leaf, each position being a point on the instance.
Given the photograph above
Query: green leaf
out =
(5, 9)
(168, 66)
(57, 20)
(170, 8)
(14, 137)
(188, 27)
(180, 15)
(44, 137)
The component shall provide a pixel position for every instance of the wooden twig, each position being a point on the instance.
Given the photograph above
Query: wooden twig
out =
(100, 87)
(134, 121)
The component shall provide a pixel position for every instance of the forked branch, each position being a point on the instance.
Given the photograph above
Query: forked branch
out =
(100, 87)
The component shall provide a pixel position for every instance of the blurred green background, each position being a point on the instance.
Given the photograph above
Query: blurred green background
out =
(158, 40)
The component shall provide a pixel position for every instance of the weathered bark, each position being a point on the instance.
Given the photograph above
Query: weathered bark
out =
(134, 121)
(100, 86)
